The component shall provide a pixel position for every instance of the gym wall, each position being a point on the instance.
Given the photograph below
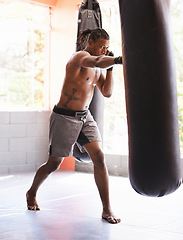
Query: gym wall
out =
(23, 141)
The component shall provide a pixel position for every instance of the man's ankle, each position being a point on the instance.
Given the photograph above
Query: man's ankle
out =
(107, 210)
(31, 193)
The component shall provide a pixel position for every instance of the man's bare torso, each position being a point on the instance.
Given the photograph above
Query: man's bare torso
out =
(78, 87)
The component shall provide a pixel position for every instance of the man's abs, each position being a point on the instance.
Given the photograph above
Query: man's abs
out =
(75, 99)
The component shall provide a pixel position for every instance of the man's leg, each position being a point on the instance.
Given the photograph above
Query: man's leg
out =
(42, 173)
(101, 179)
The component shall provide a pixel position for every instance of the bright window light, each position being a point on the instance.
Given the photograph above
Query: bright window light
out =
(115, 123)
(24, 58)
(177, 26)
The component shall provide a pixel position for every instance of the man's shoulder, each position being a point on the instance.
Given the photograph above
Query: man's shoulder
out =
(77, 57)
(81, 54)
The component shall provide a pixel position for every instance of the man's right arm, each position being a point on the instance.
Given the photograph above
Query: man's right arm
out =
(85, 60)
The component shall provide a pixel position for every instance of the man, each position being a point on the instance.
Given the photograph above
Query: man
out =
(71, 121)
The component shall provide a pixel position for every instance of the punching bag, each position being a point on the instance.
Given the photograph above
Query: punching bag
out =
(90, 17)
(151, 96)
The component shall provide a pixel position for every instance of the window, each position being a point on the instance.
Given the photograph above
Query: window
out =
(115, 124)
(23, 55)
(177, 18)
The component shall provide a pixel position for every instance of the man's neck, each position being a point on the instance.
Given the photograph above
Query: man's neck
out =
(88, 50)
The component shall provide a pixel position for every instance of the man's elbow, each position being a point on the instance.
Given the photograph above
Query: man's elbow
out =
(107, 95)
(107, 92)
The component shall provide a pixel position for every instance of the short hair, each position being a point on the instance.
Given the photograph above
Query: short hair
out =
(90, 34)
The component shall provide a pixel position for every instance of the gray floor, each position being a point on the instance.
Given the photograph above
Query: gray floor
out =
(71, 210)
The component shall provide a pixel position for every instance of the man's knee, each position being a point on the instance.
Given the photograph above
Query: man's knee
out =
(53, 163)
(98, 159)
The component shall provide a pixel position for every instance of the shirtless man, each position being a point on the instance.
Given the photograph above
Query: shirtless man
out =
(71, 114)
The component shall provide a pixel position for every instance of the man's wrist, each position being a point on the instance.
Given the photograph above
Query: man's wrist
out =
(110, 69)
(118, 60)
(111, 54)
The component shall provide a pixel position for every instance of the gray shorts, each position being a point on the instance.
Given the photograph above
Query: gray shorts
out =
(65, 131)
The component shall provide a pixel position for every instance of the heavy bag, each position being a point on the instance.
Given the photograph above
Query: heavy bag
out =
(90, 17)
(151, 96)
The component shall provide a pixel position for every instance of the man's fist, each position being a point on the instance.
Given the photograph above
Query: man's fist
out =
(118, 60)
(109, 53)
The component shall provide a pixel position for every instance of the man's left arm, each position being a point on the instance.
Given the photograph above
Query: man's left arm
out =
(105, 84)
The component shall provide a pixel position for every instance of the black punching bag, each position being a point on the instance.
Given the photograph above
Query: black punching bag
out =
(90, 17)
(151, 96)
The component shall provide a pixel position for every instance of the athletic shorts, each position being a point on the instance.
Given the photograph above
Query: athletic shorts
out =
(66, 130)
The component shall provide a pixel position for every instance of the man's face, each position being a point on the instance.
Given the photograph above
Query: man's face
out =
(99, 47)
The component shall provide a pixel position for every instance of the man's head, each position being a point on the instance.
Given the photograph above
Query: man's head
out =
(96, 41)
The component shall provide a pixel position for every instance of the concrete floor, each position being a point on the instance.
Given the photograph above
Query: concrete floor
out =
(71, 210)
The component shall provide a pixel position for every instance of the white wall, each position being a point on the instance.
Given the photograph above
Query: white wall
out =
(23, 141)
(62, 44)
(117, 165)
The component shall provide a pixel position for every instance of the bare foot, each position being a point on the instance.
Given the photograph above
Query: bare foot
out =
(31, 202)
(109, 217)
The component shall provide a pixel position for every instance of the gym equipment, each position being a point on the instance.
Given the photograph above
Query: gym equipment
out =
(151, 96)
(90, 17)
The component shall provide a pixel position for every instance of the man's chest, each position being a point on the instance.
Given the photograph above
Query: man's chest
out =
(90, 75)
